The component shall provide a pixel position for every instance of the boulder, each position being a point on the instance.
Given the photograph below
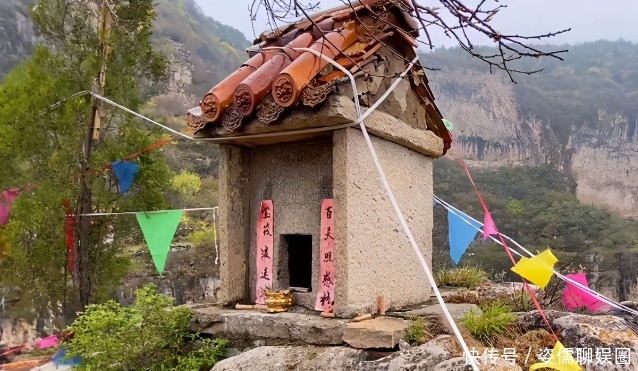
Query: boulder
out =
(422, 357)
(293, 358)
(605, 335)
(504, 290)
(381, 332)
(460, 364)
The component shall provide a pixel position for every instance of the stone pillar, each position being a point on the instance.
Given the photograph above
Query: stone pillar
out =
(233, 222)
(373, 256)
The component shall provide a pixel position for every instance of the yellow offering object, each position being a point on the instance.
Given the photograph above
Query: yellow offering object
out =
(537, 269)
(560, 360)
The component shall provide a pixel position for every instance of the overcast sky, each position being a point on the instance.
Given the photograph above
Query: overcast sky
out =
(590, 20)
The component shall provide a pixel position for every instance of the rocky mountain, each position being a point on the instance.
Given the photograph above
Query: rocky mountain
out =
(16, 34)
(203, 50)
(580, 116)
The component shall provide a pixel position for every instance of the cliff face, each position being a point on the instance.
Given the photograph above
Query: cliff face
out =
(487, 126)
(492, 130)
(16, 34)
(604, 163)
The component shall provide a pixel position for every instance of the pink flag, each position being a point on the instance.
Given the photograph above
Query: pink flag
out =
(574, 297)
(49, 342)
(265, 244)
(6, 201)
(326, 293)
(489, 229)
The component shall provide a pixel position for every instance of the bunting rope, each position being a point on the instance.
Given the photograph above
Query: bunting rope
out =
(531, 293)
(564, 278)
(148, 212)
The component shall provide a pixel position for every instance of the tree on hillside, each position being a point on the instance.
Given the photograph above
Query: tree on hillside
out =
(467, 23)
(57, 150)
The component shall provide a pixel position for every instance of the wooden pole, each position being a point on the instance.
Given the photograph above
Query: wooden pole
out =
(85, 204)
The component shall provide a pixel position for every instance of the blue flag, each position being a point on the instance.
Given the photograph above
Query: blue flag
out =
(125, 172)
(461, 233)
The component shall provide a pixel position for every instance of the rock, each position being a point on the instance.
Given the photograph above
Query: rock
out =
(381, 332)
(422, 357)
(453, 364)
(460, 364)
(403, 345)
(283, 327)
(232, 352)
(457, 311)
(52, 367)
(294, 358)
(533, 321)
(600, 334)
(505, 290)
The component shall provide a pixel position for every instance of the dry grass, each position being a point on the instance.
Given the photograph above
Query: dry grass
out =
(469, 277)
(470, 297)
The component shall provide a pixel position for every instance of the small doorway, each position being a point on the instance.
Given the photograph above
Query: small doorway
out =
(298, 253)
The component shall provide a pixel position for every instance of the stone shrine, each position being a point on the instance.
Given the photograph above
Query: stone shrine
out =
(284, 121)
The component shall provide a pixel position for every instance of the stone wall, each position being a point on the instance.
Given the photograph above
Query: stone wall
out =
(374, 255)
(296, 177)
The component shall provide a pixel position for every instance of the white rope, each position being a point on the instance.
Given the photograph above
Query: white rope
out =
(393, 200)
(598, 295)
(215, 233)
(147, 212)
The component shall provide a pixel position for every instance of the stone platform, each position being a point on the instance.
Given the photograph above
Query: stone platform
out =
(246, 327)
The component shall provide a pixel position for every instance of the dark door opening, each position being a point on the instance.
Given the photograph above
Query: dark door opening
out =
(299, 249)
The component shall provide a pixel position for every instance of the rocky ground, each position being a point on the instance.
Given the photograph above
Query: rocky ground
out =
(299, 341)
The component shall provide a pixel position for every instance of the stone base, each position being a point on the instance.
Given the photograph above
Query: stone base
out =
(275, 329)
(378, 333)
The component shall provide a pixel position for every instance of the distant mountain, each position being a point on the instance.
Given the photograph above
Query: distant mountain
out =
(210, 49)
(215, 49)
(16, 34)
(579, 116)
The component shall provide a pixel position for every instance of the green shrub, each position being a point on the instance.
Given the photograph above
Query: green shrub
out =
(149, 335)
(417, 333)
(495, 318)
(469, 277)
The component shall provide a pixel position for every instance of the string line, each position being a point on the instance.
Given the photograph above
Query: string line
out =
(564, 278)
(147, 212)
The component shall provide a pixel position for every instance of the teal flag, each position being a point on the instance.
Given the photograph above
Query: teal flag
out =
(159, 229)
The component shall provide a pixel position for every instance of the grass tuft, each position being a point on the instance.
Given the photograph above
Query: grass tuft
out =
(494, 320)
(469, 277)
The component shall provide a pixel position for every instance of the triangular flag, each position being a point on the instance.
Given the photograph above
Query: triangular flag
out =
(537, 269)
(489, 229)
(561, 359)
(6, 201)
(125, 172)
(574, 297)
(461, 234)
(159, 229)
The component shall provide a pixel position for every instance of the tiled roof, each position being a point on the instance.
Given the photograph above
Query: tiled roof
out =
(275, 80)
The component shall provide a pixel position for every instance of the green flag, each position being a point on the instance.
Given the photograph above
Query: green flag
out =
(159, 229)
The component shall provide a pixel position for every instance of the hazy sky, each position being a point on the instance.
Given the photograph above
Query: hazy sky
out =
(589, 19)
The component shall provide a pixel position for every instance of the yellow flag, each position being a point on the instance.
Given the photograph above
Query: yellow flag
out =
(560, 359)
(537, 269)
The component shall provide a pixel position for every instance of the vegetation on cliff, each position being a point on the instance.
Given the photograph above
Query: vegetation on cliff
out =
(534, 206)
(566, 94)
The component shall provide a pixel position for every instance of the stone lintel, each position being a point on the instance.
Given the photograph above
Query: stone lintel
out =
(338, 110)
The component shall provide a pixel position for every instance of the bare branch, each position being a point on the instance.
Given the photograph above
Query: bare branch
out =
(467, 26)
